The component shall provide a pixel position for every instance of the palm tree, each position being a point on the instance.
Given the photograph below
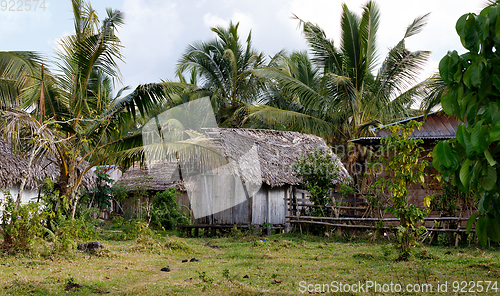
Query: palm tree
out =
(70, 113)
(223, 67)
(278, 104)
(347, 97)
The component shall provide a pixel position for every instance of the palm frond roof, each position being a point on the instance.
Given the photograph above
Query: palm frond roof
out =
(12, 166)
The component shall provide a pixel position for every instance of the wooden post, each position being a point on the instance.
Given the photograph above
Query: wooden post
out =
(457, 234)
(268, 219)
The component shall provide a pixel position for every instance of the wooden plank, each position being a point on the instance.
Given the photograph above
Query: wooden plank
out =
(369, 226)
(240, 211)
(338, 225)
(259, 206)
(268, 208)
(342, 218)
(341, 207)
(373, 219)
(277, 205)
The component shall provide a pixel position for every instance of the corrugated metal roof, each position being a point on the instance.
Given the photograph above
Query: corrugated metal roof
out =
(436, 126)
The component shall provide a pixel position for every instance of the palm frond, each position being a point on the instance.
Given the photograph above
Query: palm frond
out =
(17, 69)
(263, 116)
(350, 44)
(368, 29)
(416, 26)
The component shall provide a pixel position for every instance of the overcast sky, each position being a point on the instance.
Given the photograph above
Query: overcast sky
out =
(157, 32)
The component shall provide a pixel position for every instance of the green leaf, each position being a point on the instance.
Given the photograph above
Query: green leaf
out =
(458, 75)
(463, 137)
(466, 77)
(495, 132)
(449, 102)
(489, 158)
(475, 77)
(472, 76)
(465, 173)
(461, 131)
(471, 38)
(497, 28)
(492, 228)
(463, 101)
(472, 109)
(478, 138)
(447, 155)
(477, 169)
(482, 27)
(471, 221)
(481, 230)
(490, 113)
(445, 69)
(488, 181)
(445, 171)
(496, 81)
(460, 26)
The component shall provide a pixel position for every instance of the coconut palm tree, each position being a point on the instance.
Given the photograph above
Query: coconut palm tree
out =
(71, 112)
(278, 104)
(223, 67)
(348, 97)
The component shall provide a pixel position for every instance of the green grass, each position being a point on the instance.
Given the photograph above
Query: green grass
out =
(274, 267)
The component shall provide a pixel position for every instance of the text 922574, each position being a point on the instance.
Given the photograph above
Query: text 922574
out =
(22, 5)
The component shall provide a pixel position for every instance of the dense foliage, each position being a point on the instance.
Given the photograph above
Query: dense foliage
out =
(21, 225)
(166, 213)
(473, 96)
(102, 193)
(319, 173)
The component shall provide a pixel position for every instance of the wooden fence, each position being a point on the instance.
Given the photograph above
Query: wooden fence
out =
(360, 217)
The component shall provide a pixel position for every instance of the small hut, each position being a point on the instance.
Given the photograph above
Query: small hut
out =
(13, 165)
(150, 180)
(258, 187)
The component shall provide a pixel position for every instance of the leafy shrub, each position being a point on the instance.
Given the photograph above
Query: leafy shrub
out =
(69, 232)
(165, 212)
(472, 95)
(117, 221)
(21, 224)
(319, 173)
(400, 157)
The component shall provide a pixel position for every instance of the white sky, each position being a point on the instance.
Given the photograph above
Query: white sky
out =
(157, 32)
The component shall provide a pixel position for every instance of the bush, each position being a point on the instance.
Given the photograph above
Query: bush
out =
(319, 173)
(21, 225)
(165, 212)
(69, 232)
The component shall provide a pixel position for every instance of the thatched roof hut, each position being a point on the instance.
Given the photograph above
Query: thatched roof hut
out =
(252, 189)
(276, 152)
(157, 178)
(13, 165)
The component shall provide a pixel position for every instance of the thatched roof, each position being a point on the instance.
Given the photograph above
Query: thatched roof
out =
(260, 156)
(276, 151)
(13, 165)
(156, 178)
